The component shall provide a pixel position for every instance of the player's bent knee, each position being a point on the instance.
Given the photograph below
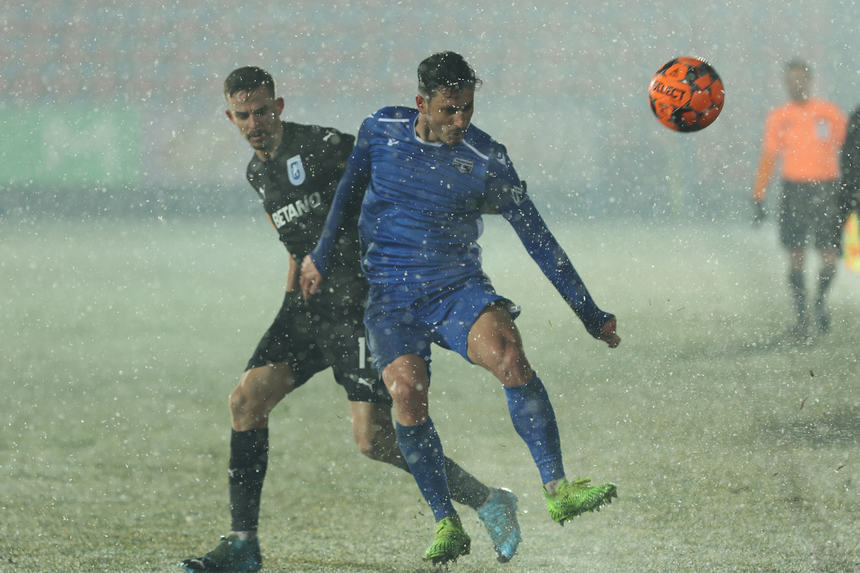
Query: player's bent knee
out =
(408, 395)
(375, 443)
(381, 450)
(367, 449)
(257, 393)
(404, 390)
(508, 363)
(241, 404)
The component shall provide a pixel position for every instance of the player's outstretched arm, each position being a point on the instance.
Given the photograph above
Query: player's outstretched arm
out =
(508, 193)
(347, 197)
(557, 267)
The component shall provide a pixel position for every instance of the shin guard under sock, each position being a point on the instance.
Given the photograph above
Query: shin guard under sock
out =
(798, 291)
(249, 458)
(422, 450)
(825, 277)
(534, 420)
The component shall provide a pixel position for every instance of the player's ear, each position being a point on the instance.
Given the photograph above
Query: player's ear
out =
(421, 103)
(279, 105)
(230, 116)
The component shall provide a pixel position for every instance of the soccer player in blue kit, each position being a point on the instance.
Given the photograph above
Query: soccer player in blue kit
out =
(295, 169)
(423, 177)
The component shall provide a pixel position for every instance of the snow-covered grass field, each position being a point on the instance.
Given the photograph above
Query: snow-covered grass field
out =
(732, 449)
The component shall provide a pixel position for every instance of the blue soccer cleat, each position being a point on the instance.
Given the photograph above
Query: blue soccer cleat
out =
(499, 516)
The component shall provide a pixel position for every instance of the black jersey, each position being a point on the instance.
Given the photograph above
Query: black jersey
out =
(297, 186)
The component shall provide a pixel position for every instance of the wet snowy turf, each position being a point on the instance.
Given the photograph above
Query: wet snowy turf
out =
(733, 450)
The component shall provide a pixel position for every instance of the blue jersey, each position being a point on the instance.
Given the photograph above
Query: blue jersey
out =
(421, 207)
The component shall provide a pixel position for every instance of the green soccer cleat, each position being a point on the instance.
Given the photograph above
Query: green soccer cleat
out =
(574, 498)
(499, 516)
(450, 542)
(232, 555)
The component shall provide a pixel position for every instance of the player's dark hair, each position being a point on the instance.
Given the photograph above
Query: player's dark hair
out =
(445, 71)
(248, 79)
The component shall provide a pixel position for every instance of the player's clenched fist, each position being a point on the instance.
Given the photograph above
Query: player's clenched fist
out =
(311, 278)
(608, 334)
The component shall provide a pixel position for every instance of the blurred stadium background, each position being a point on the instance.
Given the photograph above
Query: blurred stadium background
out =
(111, 107)
(137, 275)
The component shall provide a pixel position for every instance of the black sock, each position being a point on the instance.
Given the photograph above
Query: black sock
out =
(249, 457)
(465, 488)
(825, 277)
(795, 279)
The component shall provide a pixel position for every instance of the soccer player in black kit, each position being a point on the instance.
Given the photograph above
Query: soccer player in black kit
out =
(295, 171)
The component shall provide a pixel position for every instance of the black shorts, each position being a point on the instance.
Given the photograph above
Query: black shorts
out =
(311, 338)
(810, 210)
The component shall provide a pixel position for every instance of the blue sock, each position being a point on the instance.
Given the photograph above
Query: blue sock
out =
(422, 450)
(534, 420)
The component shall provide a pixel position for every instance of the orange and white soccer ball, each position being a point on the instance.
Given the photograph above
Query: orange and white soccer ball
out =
(686, 94)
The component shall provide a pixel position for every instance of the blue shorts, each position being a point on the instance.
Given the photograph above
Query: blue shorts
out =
(443, 316)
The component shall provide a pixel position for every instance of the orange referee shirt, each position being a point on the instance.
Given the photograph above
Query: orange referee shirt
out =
(807, 136)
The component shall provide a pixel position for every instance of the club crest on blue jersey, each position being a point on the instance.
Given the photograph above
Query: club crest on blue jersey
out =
(463, 165)
(296, 170)
(518, 194)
